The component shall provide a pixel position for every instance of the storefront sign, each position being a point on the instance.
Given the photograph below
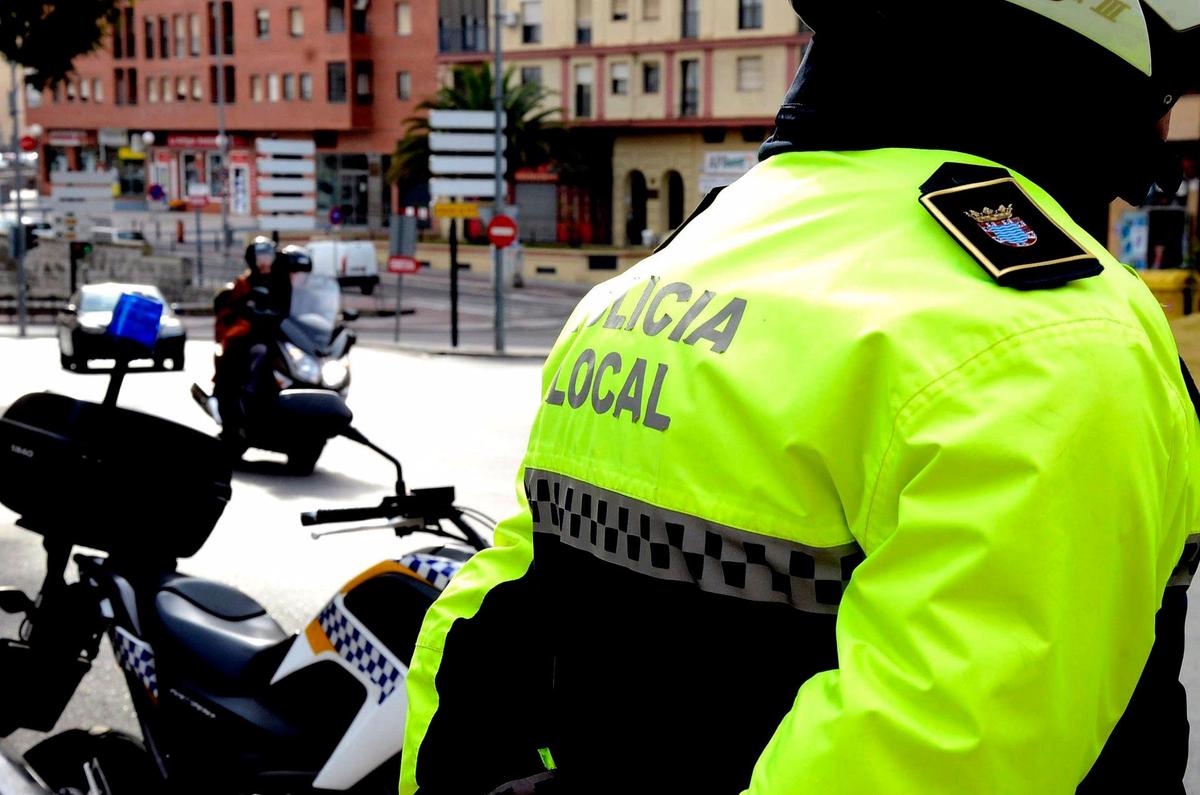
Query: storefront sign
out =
(125, 153)
(729, 163)
(112, 136)
(203, 141)
(68, 138)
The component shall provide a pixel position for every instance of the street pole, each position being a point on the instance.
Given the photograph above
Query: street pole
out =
(222, 139)
(18, 228)
(199, 251)
(453, 282)
(399, 290)
(497, 252)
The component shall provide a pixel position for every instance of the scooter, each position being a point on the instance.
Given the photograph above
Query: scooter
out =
(226, 699)
(297, 401)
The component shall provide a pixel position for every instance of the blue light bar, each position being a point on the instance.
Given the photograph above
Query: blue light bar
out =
(136, 318)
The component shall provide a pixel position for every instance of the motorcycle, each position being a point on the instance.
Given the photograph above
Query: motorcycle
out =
(294, 400)
(227, 701)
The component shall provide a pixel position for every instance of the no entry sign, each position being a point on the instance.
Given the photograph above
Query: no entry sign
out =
(502, 231)
(399, 264)
(28, 143)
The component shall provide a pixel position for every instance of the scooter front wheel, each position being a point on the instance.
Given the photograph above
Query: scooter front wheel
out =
(75, 760)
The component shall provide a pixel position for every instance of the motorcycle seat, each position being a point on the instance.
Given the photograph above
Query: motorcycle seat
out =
(215, 628)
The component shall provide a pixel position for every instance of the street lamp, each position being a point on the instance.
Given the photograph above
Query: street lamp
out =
(148, 138)
(36, 130)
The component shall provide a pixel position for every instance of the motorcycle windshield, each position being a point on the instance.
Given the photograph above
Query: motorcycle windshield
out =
(316, 302)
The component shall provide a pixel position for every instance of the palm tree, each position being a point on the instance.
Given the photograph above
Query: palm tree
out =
(529, 111)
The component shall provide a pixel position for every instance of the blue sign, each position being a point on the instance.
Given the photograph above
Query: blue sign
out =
(136, 318)
(157, 192)
(335, 216)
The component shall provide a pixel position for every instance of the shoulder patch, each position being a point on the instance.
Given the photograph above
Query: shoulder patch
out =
(1008, 234)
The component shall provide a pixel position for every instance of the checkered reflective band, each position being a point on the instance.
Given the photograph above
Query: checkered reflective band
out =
(351, 642)
(136, 657)
(431, 567)
(674, 546)
(1189, 561)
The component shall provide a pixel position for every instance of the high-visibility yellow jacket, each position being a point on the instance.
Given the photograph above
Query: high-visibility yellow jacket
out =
(813, 505)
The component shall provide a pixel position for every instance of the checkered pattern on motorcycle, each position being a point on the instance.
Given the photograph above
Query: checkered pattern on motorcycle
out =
(358, 650)
(137, 657)
(436, 570)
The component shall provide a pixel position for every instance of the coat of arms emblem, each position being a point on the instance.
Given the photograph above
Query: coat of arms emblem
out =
(1003, 227)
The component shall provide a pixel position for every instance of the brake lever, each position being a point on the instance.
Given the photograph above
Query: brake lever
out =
(404, 524)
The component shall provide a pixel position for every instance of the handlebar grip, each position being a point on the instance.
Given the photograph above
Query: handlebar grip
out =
(335, 515)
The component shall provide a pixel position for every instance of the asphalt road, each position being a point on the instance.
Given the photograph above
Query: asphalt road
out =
(452, 420)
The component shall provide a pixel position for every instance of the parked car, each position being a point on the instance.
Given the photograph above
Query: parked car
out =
(118, 237)
(354, 263)
(82, 327)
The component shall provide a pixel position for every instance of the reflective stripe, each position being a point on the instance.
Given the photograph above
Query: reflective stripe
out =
(1188, 562)
(673, 546)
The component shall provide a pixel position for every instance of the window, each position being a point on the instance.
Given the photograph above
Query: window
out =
(583, 21)
(336, 82)
(363, 78)
(149, 26)
(152, 89)
(273, 88)
(98, 90)
(164, 38)
(223, 23)
(403, 19)
(750, 73)
(118, 41)
(262, 23)
(690, 24)
(230, 84)
(620, 10)
(197, 89)
(54, 93)
(651, 76)
(358, 16)
(750, 14)
(133, 86)
(216, 173)
(619, 72)
(256, 91)
(583, 91)
(335, 16)
(531, 21)
(531, 75)
(180, 34)
(118, 83)
(130, 32)
(651, 9)
(181, 89)
(85, 90)
(689, 97)
(194, 34)
(168, 90)
(71, 90)
(289, 87)
(306, 87)
(295, 22)
(214, 90)
(403, 85)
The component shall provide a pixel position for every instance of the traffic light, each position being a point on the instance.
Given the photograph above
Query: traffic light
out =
(79, 250)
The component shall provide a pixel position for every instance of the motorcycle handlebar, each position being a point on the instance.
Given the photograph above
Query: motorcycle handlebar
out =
(336, 515)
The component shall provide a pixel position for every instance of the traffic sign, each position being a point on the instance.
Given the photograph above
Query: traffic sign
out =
(502, 231)
(401, 264)
(196, 202)
(456, 210)
(335, 216)
(157, 192)
(462, 188)
(28, 143)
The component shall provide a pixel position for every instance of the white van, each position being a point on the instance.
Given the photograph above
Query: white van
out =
(351, 262)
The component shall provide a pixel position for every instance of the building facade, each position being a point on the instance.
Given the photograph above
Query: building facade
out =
(340, 77)
(680, 93)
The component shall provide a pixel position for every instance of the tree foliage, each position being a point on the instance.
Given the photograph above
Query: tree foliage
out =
(530, 128)
(46, 37)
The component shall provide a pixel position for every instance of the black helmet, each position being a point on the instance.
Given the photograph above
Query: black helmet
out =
(260, 251)
(1158, 40)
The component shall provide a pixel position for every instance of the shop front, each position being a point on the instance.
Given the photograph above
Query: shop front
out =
(196, 161)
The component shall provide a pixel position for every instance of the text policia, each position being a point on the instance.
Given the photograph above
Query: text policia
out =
(594, 378)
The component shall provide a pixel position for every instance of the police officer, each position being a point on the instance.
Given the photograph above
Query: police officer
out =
(877, 476)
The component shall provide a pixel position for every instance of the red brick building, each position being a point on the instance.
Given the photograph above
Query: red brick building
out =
(341, 74)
